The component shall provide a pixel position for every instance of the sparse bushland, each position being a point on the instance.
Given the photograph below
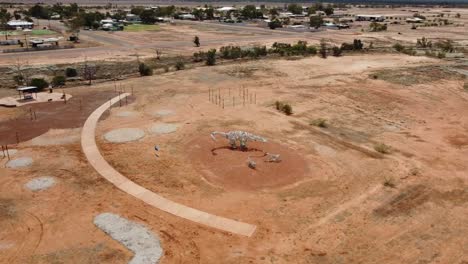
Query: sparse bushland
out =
(319, 122)
(356, 45)
(382, 148)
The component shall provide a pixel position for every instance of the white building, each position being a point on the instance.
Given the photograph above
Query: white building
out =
(21, 24)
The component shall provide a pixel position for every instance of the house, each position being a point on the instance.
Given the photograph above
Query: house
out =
(19, 24)
(132, 18)
(414, 20)
(375, 18)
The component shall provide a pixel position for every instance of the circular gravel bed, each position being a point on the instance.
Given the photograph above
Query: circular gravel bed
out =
(126, 114)
(122, 135)
(163, 128)
(39, 184)
(19, 163)
(164, 112)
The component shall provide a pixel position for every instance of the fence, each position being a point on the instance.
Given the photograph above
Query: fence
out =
(38, 48)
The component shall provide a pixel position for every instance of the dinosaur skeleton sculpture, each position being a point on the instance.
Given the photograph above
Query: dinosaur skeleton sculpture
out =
(241, 136)
(273, 157)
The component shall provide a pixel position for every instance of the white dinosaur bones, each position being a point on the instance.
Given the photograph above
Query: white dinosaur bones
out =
(273, 157)
(241, 136)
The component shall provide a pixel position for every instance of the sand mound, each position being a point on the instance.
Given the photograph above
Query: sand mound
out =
(163, 112)
(57, 137)
(163, 128)
(122, 135)
(136, 237)
(20, 163)
(39, 184)
(229, 169)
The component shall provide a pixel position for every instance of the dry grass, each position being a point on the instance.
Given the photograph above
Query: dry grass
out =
(382, 148)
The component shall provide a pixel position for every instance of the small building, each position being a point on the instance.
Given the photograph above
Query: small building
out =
(414, 20)
(226, 9)
(374, 18)
(132, 18)
(25, 93)
(20, 24)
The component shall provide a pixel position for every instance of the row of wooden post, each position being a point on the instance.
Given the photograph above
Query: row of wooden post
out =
(5, 151)
(245, 97)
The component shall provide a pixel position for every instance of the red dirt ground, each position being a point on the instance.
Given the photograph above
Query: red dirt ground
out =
(52, 115)
(213, 156)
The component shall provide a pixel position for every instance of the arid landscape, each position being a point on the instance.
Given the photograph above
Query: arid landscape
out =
(373, 152)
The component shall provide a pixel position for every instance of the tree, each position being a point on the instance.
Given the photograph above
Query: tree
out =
(198, 13)
(323, 49)
(148, 16)
(250, 12)
(211, 57)
(89, 72)
(74, 25)
(316, 21)
(39, 11)
(4, 18)
(336, 51)
(145, 70)
(196, 41)
(275, 23)
(295, 9)
(328, 10)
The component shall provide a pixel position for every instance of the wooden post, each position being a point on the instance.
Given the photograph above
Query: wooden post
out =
(30, 113)
(35, 117)
(3, 151)
(126, 101)
(120, 101)
(223, 102)
(17, 138)
(8, 154)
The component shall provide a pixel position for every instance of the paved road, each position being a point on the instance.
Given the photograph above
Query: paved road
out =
(91, 151)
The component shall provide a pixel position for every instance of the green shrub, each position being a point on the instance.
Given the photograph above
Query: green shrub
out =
(211, 57)
(287, 109)
(278, 105)
(398, 47)
(58, 81)
(382, 148)
(71, 72)
(319, 122)
(145, 70)
(336, 51)
(40, 83)
(180, 65)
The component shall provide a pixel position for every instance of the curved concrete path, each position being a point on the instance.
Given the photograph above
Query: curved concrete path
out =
(91, 151)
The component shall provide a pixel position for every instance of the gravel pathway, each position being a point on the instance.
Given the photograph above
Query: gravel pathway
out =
(136, 237)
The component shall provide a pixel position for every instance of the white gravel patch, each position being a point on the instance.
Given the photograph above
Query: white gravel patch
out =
(39, 184)
(163, 128)
(164, 112)
(122, 135)
(11, 152)
(19, 163)
(126, 114)
(138, 238)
